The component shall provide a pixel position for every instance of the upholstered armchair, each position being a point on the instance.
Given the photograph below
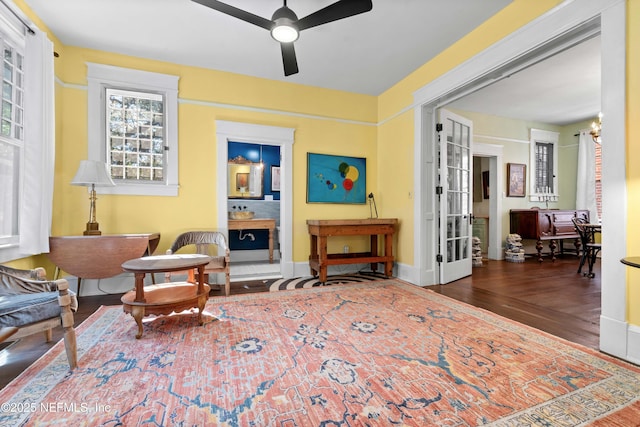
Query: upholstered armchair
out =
(30, 303)
(205, 242)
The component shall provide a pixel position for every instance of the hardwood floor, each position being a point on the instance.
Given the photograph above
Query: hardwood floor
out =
(548, 296)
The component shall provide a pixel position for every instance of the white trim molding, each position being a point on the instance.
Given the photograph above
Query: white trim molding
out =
(568, 23)
(100, 77)
(266, 135)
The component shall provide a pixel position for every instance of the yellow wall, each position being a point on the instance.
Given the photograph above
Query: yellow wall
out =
(396, 132)
(388, 146)
(390, 170)
(633, 155)
(337, 123)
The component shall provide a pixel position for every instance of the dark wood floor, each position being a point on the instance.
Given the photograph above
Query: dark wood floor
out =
(548, 296)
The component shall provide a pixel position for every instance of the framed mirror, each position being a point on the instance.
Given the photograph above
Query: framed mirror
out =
(245, 179)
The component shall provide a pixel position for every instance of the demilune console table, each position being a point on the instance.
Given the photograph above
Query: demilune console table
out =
(98, 257)
(320, 230)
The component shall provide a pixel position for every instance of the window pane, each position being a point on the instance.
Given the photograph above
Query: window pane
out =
(544, 167)
(7, 91)
(12, 86)
(8, 72)
(139, 118)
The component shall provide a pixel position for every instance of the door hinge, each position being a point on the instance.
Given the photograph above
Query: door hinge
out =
(439, 127)
(439, 189)
(439, 258)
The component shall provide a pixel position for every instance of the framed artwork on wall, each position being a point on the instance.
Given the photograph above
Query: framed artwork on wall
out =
(336, 179)
(275, 178)
(516, 173)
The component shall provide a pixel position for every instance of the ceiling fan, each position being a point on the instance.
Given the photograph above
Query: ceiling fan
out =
(285, 26)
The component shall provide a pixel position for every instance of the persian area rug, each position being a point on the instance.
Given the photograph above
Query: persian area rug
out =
(310, 282)
(374, 354)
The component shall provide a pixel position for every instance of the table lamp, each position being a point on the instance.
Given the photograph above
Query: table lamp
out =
(92, 173)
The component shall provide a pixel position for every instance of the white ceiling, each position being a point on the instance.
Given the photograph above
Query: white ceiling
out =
(366, 54)
(561, 90)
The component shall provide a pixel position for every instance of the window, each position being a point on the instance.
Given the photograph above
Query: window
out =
(133, 127)
(27, 132)
(135, 134)
(543, 171)
(11, 138)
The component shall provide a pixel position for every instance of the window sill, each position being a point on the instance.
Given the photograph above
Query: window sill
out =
(170, 190)
(543, 198)
(10, 252)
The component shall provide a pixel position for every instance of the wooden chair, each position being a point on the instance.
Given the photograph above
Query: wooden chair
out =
(204, 242)
(589, 247)
(29, 303)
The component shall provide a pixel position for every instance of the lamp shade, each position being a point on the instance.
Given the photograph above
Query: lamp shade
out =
(93, 172)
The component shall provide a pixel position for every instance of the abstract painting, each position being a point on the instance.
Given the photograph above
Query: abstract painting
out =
(336, 179)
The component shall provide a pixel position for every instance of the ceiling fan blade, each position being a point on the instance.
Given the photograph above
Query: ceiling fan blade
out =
(338, 10)
(237, 13)
(289, 59)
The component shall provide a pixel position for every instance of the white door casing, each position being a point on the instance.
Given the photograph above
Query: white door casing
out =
(532, 40)
(265, 135)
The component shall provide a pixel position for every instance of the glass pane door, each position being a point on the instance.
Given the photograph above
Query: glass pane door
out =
(455, 206)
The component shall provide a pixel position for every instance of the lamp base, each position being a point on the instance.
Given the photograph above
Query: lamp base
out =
(92, 229)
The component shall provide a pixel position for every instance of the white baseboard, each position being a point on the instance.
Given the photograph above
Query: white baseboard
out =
(633, 344)
(113, 285)
(614, 336)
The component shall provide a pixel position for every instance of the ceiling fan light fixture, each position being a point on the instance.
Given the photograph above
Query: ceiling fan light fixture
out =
(285, 32)
(285, 27)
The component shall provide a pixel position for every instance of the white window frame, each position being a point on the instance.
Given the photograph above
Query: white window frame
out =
(16, 40)
(36, 164)
(547, 137)
(99, 78)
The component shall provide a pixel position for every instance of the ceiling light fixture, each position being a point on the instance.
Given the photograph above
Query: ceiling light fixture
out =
(284, 29)
(596, 127)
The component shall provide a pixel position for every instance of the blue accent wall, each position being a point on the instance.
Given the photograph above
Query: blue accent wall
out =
(270, 156)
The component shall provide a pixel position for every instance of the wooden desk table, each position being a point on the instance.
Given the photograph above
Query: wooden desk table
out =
(321, 230)
(98, 257)
(256, 224)
(165, 298)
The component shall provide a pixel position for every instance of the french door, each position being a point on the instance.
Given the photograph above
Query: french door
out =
(455, 200)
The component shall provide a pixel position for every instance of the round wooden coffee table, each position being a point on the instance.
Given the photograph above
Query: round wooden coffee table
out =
(165, 298)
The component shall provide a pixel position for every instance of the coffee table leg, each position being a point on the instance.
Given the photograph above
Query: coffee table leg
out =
(202, 301)
(138, 313)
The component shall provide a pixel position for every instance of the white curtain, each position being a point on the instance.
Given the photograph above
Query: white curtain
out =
(586, 184)
(39, 151)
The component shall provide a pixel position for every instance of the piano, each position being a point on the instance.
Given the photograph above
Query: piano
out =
(553, 225)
